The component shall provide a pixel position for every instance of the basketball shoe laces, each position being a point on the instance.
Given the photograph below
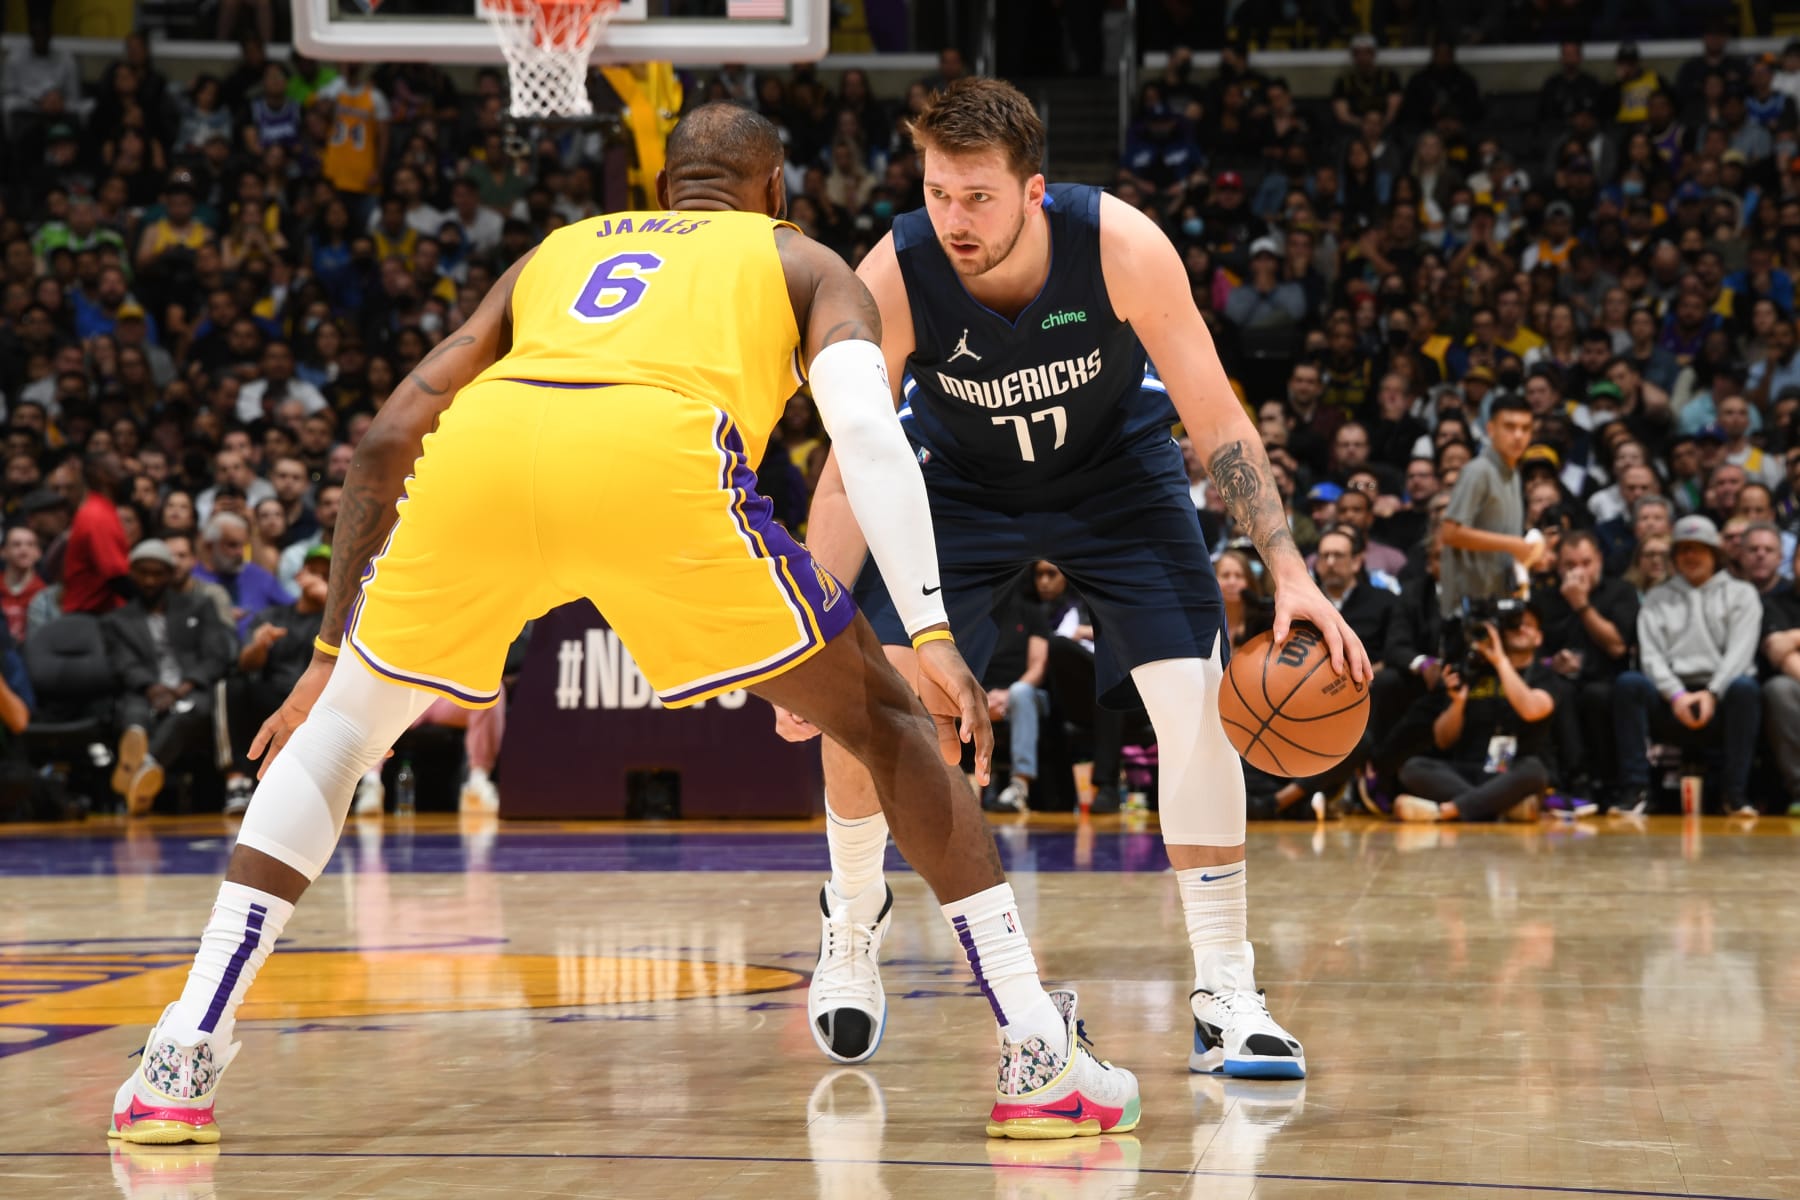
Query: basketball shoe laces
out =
(851, 972)
(1243, 1004)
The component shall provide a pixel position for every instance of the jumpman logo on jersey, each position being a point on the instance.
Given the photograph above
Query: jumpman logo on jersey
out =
(962, 348)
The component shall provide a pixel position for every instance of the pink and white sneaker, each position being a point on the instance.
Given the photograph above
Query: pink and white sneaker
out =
(169, 1098)
(1046, 1095)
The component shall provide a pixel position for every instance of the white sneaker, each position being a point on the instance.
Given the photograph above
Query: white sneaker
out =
(1233, 1031)
(169, 1098)
(1045, 1095)
(371, 797)
(237, 796)
(479, 794)
(1416, 808)
(845, 1003)
(1014, 796)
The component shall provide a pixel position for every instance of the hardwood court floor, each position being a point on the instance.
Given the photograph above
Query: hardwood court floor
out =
(618, 1011)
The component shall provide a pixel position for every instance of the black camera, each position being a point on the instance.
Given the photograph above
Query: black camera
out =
(1455, 647)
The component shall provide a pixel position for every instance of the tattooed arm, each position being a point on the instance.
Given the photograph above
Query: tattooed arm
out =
(387, 452)
(1148, 286)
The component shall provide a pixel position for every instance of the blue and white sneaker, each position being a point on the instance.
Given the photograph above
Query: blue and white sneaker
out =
(1235, 1035)
(846, 1005)
(1569, 808)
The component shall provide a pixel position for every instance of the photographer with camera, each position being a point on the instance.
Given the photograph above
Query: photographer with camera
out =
(1697, 638)
(1493, 721)
(1484, 526)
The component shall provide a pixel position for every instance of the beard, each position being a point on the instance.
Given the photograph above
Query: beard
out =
(991, 254)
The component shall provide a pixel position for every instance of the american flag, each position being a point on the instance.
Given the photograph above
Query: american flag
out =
(756, 10)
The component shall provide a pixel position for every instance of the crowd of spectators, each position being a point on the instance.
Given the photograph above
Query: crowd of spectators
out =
(1508, 348)
(211, 285)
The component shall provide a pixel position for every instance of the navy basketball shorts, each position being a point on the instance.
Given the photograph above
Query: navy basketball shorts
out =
(1131, 547)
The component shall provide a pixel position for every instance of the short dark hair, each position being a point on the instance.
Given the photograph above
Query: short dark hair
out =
(974, 116)
(1507, 402)
(723, 141)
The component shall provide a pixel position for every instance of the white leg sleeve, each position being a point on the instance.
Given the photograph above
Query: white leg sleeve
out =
(299, 807)
(1201, 780)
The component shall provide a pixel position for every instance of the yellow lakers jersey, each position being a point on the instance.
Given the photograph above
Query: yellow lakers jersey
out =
(692, 302)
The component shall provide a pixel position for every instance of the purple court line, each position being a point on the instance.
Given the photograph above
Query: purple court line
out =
(1209, 1172)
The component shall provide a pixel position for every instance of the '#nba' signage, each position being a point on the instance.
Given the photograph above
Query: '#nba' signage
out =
(583, 719)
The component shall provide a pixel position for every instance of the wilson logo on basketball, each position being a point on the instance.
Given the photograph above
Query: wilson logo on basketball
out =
(1300, 642)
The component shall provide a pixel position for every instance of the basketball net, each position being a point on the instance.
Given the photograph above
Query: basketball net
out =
(547, 44)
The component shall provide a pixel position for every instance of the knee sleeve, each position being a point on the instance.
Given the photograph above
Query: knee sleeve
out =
(1201, 780)
(298, 809)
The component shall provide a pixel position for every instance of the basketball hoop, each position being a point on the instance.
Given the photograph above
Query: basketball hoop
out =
(547, 44)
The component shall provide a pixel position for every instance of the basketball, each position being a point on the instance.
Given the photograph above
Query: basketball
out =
(1285, 711)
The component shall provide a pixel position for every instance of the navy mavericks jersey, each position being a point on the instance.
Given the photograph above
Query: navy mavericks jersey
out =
(1018, 410)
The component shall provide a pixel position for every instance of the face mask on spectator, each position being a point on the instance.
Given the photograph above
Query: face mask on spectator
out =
(430, 322)
(883, 209)
(1597, 419)
(1632, 187)
(1510, 380)
(1459, 214)
(1193, 227)
(1397, 338)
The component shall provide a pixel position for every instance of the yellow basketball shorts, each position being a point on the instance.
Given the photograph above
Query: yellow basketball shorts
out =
(531, 495)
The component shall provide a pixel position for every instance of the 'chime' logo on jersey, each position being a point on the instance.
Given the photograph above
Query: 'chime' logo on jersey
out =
(962, 349)
(1024, 385)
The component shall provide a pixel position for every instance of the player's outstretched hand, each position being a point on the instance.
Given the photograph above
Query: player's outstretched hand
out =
(1298, 598)
(276, 731)
(957, 704)
(793, 728)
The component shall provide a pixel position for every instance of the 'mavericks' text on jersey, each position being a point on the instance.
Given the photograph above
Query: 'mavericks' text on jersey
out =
(1015, 406)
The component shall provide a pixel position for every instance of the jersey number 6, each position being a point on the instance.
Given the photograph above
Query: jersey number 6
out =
(1056, 414)
(614, 287)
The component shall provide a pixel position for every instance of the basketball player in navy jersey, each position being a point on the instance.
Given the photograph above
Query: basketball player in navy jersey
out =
(1016, 319)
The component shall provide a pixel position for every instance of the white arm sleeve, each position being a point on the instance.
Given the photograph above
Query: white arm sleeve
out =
(881, 476)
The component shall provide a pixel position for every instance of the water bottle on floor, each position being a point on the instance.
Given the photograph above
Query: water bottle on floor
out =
(405, 790)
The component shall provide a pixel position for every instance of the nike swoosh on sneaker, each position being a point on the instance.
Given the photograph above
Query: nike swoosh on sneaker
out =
(134, 1113)
(1205, 878)
(1073, 1114)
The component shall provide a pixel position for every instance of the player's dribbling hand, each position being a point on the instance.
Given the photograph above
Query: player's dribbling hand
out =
(793, 728)
(276, 731)
(1298, 598)
(957, 704)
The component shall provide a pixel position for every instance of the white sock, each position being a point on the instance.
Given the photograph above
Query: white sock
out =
(858, 846)
(1214, 901)
(478, 775)
(993, 938)
(236, 942)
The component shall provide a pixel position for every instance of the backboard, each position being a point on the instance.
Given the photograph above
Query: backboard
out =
(696, 32)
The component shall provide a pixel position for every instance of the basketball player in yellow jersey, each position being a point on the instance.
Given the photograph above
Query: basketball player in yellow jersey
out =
(612, 395)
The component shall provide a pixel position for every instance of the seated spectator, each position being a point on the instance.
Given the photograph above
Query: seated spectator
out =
(251, 586)
(232, 470)
(270, 662)
(324, 515)
(181, 546)
(1015, 692)
(1589, 622)
(1781, 687)
(1248, 609)
(1759, 559)
(1697, 638)
(168, 649)
(1356, 508)
(95, 564)
(275, 383)
(1651, 563)
(268, 531)
(20, 554)
(1492, 735)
